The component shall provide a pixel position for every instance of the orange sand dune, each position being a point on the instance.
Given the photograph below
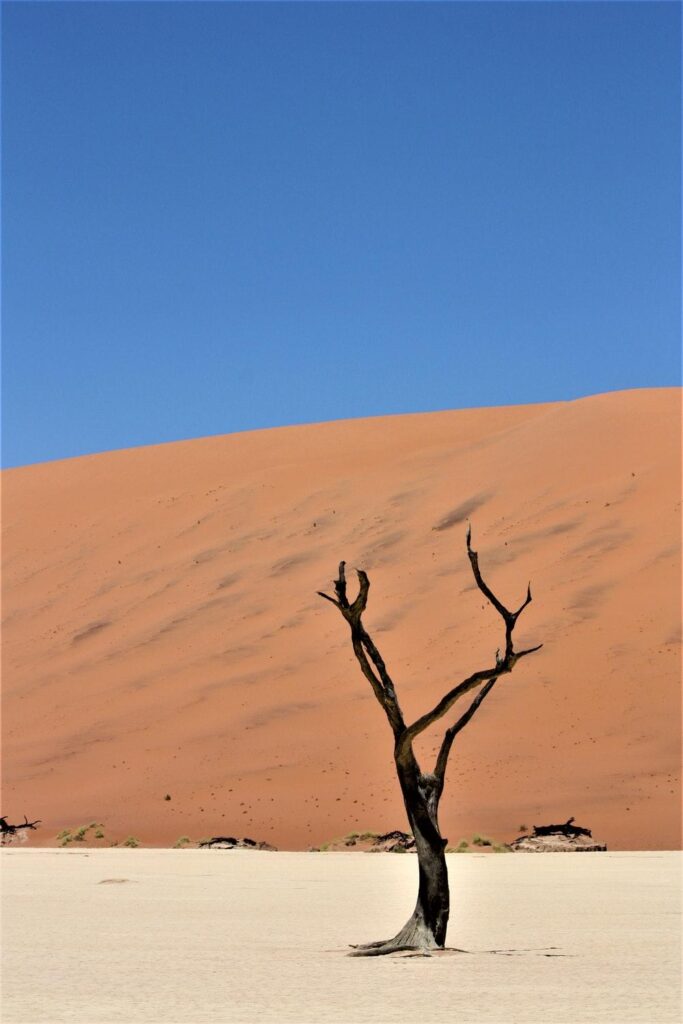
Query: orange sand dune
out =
(162, 633)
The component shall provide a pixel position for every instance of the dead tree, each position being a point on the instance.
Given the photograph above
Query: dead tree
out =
(422, 790)
(7, 830)
(568, 828)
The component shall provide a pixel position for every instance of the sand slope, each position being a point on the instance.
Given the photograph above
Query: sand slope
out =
(162, 633)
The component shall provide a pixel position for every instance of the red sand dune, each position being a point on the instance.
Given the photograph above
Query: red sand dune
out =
(162, 633)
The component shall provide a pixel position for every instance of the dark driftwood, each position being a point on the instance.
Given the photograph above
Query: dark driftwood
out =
(230, 841)
(219, 839)
(422, 790)
(11, 830)
(397, 835)
(567, 829)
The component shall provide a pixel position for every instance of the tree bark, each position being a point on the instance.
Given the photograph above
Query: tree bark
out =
(426, 928)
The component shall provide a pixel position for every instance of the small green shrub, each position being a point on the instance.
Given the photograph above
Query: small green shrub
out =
(179, 843)
(131, 841)
(502, 848)
(99, 834)
(462, 846)
(364, 836)
(478, 840)
(78, 835)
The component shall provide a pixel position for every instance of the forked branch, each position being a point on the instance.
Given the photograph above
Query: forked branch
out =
(510, 618)
(368, 657)
(11, 830)
(504, 663)
(375, 671)
(442, 759)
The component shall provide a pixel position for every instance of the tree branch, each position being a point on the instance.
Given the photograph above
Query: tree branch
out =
(442, 759)
(503, 665)
(370, 660)
(7, 829)
(447, 702)
(510, 618)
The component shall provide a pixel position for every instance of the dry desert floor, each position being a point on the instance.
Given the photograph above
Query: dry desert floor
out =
(151, 936)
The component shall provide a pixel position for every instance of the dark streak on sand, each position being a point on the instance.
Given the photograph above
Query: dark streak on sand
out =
(462, 511)
(285, 564)
(95, 627)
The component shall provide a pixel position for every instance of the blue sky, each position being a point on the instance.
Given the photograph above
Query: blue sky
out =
(220, 217)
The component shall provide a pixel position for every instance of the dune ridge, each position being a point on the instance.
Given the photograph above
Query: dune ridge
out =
(162, 633)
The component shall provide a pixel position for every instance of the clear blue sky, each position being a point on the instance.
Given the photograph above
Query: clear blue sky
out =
(222, 216)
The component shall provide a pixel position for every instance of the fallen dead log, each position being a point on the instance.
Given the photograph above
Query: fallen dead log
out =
(231, 843)
(566, 829)
(11, 830)
(564, 838)
(390, 842)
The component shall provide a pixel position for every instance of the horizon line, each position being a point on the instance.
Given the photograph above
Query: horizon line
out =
(342, 419)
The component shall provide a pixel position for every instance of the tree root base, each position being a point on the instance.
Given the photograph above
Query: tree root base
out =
(386, 948)
(389, 949)
(415, 937)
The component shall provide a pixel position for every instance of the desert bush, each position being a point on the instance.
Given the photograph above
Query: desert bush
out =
(99, 834)
(183, 841)
(131, 841)
(478, 840)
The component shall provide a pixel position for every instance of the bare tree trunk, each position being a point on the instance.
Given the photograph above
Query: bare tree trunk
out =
(426, 928)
